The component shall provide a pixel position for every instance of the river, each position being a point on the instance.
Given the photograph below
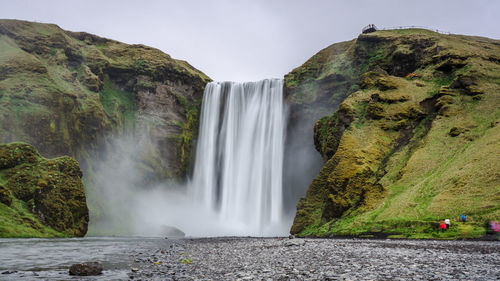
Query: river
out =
(50, 259)
(246, 258)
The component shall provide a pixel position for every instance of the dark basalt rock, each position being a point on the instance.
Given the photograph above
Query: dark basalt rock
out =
(172, 232)
(86, 269)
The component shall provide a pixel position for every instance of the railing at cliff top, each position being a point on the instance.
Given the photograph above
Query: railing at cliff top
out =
(415, 26)
(369, 28)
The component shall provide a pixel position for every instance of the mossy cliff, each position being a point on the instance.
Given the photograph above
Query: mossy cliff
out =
(401, 153)
(64, 92)
(74, 93)
(40, 197)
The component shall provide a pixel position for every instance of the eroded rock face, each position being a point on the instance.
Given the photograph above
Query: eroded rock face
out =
(69, 93)
(86, 269)
(77, 94)
(51, 192)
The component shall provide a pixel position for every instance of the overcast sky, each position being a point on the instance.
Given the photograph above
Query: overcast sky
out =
(251, 40)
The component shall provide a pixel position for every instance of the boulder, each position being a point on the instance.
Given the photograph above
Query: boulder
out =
(52, 189)
(86, 269)
(5, 196)
(172, 232)
(294, 242)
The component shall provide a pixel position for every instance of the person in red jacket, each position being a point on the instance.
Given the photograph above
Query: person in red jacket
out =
(442, 225)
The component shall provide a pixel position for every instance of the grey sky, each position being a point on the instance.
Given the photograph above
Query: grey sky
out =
(251, 40)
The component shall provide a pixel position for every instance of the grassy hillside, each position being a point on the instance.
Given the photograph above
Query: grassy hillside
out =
(402, 153)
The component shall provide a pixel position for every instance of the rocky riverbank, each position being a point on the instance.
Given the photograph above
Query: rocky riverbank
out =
(318, 259)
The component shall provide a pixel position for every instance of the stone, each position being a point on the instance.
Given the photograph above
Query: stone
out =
(5, 196)
(52, 188)
(86, 269)
(456, 131)
(294, 242)
(386, 83)
(172, 232)
(91, 80)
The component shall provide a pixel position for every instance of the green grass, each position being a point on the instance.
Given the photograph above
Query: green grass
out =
(118, 102)
(360, 109)
(8, 49)
(376, 56)
(17, 221)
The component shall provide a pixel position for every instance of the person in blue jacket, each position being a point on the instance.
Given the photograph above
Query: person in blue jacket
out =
(463, 218)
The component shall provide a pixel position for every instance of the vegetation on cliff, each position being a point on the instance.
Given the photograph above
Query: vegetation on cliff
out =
(64, 92)
(402, 153)
(40, 197)
(74, 93)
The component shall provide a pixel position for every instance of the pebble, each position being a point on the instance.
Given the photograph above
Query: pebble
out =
(321, 259)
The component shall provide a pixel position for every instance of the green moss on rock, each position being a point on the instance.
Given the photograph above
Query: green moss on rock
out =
(49, 189)
(67, 92)
(72, 93)
(5, 196)
(12, 155)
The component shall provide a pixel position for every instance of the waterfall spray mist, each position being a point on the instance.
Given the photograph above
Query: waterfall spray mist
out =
(236, 188)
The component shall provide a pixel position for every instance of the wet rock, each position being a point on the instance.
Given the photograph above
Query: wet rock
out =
(294, 242)
(172, 232)
(86, 269)
(325, 259)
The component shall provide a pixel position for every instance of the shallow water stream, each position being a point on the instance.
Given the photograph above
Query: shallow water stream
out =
(247, 258)
(50, 259)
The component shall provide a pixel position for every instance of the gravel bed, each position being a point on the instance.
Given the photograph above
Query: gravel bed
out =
(318, 259)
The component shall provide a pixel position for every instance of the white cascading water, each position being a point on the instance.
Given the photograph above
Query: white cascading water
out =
(239, 157)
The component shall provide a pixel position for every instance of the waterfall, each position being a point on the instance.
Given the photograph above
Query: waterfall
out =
(239, 157)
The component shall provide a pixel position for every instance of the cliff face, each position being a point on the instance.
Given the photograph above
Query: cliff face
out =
(65, 92)
(40, 197)
(77, 94)
(401, 153)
